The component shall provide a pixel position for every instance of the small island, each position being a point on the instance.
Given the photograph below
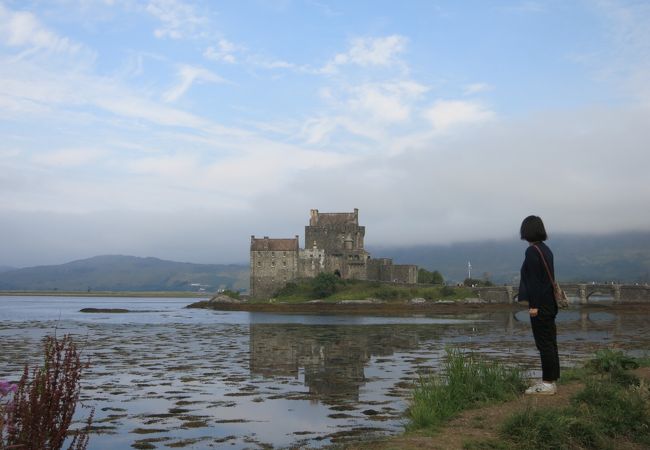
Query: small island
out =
(104, 310)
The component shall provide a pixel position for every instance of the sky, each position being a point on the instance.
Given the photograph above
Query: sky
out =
(179, 128)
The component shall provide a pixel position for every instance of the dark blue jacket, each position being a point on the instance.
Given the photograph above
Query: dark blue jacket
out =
(535, 286)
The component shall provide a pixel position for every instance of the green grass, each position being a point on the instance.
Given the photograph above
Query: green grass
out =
(303, 290)
(468, 381)
(614, 405)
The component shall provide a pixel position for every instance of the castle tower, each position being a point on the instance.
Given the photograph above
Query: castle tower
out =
(274, 262)
(341, 238)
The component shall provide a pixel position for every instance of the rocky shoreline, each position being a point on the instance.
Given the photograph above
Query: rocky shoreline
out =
(365, 306)
(375, 306)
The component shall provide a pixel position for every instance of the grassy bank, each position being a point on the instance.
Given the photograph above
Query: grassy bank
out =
(467, 381)
(332, 289)
(602, 405)
(612, 411)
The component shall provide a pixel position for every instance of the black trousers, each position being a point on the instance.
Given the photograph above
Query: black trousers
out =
(545, 335)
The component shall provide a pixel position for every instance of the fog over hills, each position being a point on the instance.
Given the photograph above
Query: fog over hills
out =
(126, 273)
(622, 257)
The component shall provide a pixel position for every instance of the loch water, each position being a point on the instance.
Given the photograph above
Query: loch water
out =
(164, 376)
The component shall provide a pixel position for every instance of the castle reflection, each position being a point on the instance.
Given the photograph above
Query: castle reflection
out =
(333, 357)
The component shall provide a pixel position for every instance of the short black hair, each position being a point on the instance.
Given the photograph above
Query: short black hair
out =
(532, 229)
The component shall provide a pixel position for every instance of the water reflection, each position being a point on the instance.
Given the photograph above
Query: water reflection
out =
(332, 357)
(239, 380)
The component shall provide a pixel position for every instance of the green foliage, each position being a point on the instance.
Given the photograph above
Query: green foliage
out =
(608, 360)
(473, 282)
(426, 277)
(550, 429)
(302, 290)
(447, 291)
(324, 285)
(389, 293)
(287, 290)
(469, 380)
(231, 294)
(613, 405)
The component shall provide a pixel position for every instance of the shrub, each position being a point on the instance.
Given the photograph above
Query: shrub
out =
(43, 405)
(324, 284)
(231, 294)
(447, 291)
(387, 293)
(288, 289)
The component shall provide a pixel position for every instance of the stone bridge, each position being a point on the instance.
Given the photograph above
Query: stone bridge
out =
(619, 293)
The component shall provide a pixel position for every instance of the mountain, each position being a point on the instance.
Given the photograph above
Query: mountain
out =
(126, 273)
(6, 268)
(622, 257)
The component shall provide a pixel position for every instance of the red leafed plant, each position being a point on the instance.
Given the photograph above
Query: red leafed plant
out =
(44, 402)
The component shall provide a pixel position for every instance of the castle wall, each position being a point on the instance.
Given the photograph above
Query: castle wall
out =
(274, 262)
(383, 269)
(405, 273)
(379, 269)
(335, 232)
(335, 239)
(311, 262)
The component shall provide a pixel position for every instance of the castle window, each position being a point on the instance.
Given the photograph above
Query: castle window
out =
(272, 263)
(284, 254)
(259, 264)
(272, 253)
(284, 263)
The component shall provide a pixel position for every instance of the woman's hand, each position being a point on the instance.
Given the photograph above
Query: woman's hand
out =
(533, 312)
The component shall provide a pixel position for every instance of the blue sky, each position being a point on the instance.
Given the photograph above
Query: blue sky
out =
(178, 128)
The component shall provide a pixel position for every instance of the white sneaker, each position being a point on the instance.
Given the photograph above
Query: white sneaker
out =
(542, 388)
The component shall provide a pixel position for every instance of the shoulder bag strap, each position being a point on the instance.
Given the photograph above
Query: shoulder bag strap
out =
(548, 271)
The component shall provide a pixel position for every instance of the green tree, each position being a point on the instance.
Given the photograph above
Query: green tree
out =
(427, 277)
(477, 283)
(324, 285)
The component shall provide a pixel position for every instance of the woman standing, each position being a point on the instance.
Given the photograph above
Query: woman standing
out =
(536, 287)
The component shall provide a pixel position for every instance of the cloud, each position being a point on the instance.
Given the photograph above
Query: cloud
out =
(386, 102)
(364, 110)
(189, 75)
(74, 157)
(445, 114)
(178, 19)
(224, 52)
(476, 88)
(367, 52)
(23, 29)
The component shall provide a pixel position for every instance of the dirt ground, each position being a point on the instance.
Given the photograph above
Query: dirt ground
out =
(484, 423)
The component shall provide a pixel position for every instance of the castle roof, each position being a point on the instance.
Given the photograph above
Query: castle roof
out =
(277, 245)
(324, 219)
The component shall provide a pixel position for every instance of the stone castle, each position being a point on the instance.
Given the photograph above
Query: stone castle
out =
(333, 244)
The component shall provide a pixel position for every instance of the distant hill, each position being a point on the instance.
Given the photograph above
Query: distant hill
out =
(126, 273)
(623, 257)
(6, 268)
